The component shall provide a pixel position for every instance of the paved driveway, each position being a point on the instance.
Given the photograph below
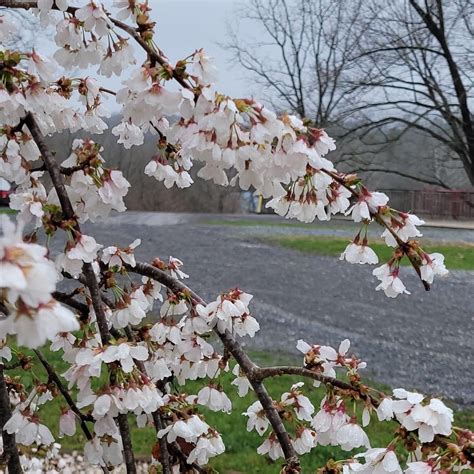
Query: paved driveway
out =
(423, 341)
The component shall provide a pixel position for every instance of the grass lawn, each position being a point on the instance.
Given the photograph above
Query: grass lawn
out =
(240, 455)
(459, 257)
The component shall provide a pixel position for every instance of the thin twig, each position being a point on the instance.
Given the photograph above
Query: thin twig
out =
(53, 376)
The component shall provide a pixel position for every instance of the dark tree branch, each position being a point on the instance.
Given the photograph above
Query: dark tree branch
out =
(10, 450)
(53, 376)
(88, 272)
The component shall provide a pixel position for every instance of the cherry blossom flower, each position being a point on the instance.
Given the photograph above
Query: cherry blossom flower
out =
(304, 441)
(45, 68)
(67, 423)
(117, 59)
(325, 358)
(404, 226)
(166, 331)
(385, 409)
(241, 382)
(367, 203)
(389, 281)
(214, 399)
(84, 248)
(68, 33)
(246, 325)
(26, 273)
(114, 188)
(351, 435)
(207, 446)
(115, 257)
(94, 452)
(430, 420)
(189, 429)
(203, 68)
(355, 253)
(129, 134)
(329, 420)
(174, 267)
(107, 404)
(33, 327)
(272, 447)
(304, 409)
(432, 264)
(378, 461)
(28, 430)
(257, 418)
(173, 306)
(131, 310)
(94, 18)
(91, 360)
(29, 201)
(125, 353)
(228, 307)
(125, 7)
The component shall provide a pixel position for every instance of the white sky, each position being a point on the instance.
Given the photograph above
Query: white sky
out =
(185, 25)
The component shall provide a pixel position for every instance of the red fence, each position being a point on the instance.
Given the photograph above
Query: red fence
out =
(434, 203)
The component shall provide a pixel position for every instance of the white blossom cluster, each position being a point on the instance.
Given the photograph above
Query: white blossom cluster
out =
(27, 280)
(239, 141)
(134, 344)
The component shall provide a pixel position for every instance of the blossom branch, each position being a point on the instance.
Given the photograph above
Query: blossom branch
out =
(246, 364)
(157, 418)
(256, 374)
(376, 216)
(68, 211)
(261, 373)
(154, 56)
(88, 272)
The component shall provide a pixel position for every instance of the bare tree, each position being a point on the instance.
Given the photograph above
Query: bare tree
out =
(373, 71)
(305, 58)
(421, 54)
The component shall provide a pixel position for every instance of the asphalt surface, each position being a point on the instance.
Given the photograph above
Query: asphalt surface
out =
(424, 341)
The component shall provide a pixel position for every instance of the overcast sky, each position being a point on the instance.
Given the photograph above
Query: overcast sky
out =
(184, 25)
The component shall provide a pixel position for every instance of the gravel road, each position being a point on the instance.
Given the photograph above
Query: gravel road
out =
(424, 341)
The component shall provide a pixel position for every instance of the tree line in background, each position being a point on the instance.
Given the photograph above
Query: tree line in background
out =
(146, 195)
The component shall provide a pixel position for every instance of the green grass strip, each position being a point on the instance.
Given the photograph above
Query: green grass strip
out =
(458, 257)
